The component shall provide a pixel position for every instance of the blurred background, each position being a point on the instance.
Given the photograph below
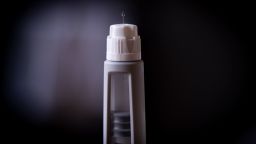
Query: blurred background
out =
(196, 70)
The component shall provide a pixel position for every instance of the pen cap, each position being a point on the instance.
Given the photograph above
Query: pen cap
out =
(123, 43)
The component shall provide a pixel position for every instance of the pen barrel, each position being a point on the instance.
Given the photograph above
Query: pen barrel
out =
(124, 103)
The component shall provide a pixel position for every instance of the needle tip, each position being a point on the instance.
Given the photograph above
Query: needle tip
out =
(123, 15)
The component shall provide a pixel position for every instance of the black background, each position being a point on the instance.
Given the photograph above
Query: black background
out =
(196, 74)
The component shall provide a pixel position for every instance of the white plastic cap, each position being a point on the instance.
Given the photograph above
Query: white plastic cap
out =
(123, 43)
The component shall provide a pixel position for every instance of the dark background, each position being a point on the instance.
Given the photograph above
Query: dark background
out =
(196, 74)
